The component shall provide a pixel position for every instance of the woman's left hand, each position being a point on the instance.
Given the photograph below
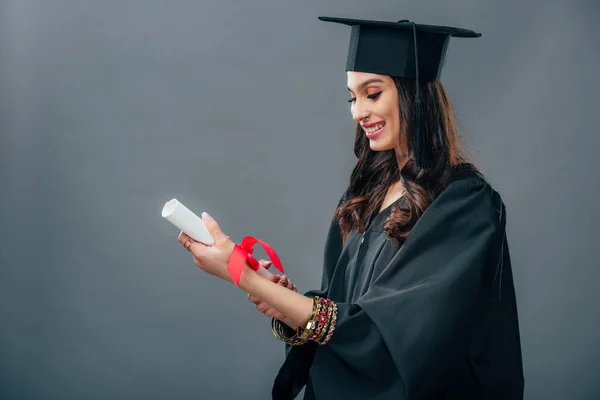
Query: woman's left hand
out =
(212, 259)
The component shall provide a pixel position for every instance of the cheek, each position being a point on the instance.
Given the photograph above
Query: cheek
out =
(389, 111)
(393, 120)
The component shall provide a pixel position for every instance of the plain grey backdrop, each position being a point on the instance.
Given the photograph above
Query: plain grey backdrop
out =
(110, 108)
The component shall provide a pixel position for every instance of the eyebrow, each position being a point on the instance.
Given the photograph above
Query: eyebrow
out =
(368, 82)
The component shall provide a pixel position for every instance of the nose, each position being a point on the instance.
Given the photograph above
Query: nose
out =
(359, 111)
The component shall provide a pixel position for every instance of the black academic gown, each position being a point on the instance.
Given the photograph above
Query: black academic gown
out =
(432, 318)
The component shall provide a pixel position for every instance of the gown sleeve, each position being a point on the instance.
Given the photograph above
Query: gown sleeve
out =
(419, 312)
(293, 374)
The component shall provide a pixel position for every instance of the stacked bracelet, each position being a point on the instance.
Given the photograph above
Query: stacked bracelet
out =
(319, 328)
(332, 322)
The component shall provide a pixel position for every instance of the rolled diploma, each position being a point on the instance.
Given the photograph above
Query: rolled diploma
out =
(188, 222)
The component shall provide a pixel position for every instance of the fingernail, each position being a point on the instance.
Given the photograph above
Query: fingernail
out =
(206, 217)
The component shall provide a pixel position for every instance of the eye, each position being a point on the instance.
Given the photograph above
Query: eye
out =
(371, 96)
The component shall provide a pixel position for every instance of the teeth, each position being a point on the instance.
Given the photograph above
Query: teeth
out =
(374, 128)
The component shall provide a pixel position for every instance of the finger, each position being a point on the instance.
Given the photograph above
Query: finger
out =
(197, 262)
(195, 247)
(271, 312)
(274, 278)
(213, 228)
(183, 237)
(262, 307)
(278, 315)
(283, 281)
(264, 262)
(186, 240)
(274, 314)
(290, 285)
(267, 309)
(253, 299)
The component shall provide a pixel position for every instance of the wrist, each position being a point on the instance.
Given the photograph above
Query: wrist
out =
(247, 278)
(290, 323)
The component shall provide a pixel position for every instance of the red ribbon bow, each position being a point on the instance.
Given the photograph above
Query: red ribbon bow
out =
(242, 253)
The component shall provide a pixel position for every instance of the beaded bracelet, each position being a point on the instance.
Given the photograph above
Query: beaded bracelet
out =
(321, 320)
(333, 321)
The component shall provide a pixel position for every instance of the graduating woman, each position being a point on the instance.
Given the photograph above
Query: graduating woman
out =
(417, 298)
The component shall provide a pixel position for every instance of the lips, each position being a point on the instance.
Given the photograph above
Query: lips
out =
(373, 129)
(372, 126)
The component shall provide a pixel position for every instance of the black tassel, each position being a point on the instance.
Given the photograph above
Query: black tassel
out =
(422, 146)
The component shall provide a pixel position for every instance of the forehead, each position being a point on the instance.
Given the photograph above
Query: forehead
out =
(356, 79)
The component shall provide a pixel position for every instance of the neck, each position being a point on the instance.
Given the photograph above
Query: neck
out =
(401, 157)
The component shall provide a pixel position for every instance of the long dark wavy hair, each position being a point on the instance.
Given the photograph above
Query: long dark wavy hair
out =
(375, 171)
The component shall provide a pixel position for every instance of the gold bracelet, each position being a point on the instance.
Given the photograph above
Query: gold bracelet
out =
(310, 325)
(280, 333)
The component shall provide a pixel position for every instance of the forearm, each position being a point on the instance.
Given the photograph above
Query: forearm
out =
(296, 307)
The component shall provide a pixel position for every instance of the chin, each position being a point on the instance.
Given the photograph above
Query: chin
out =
(380, 146)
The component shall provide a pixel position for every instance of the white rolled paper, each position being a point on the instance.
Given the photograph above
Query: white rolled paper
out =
(188, 222)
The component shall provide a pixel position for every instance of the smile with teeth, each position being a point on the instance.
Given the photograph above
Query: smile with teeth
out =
(374, 128)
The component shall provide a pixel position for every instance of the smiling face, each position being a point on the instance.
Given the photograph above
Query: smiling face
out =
(374, 105)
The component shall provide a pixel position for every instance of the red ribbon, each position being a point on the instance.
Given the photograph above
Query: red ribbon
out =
(242, 253)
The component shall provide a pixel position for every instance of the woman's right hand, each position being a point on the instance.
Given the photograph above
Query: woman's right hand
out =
(267, 309)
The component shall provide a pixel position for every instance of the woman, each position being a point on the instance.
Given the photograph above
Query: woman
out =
(417, 299)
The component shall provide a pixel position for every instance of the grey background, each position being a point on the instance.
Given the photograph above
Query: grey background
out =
(108, 109)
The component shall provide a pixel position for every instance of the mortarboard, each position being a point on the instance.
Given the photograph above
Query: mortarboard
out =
(403, 49)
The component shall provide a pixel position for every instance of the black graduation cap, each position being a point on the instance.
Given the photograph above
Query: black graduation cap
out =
(403, 49)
